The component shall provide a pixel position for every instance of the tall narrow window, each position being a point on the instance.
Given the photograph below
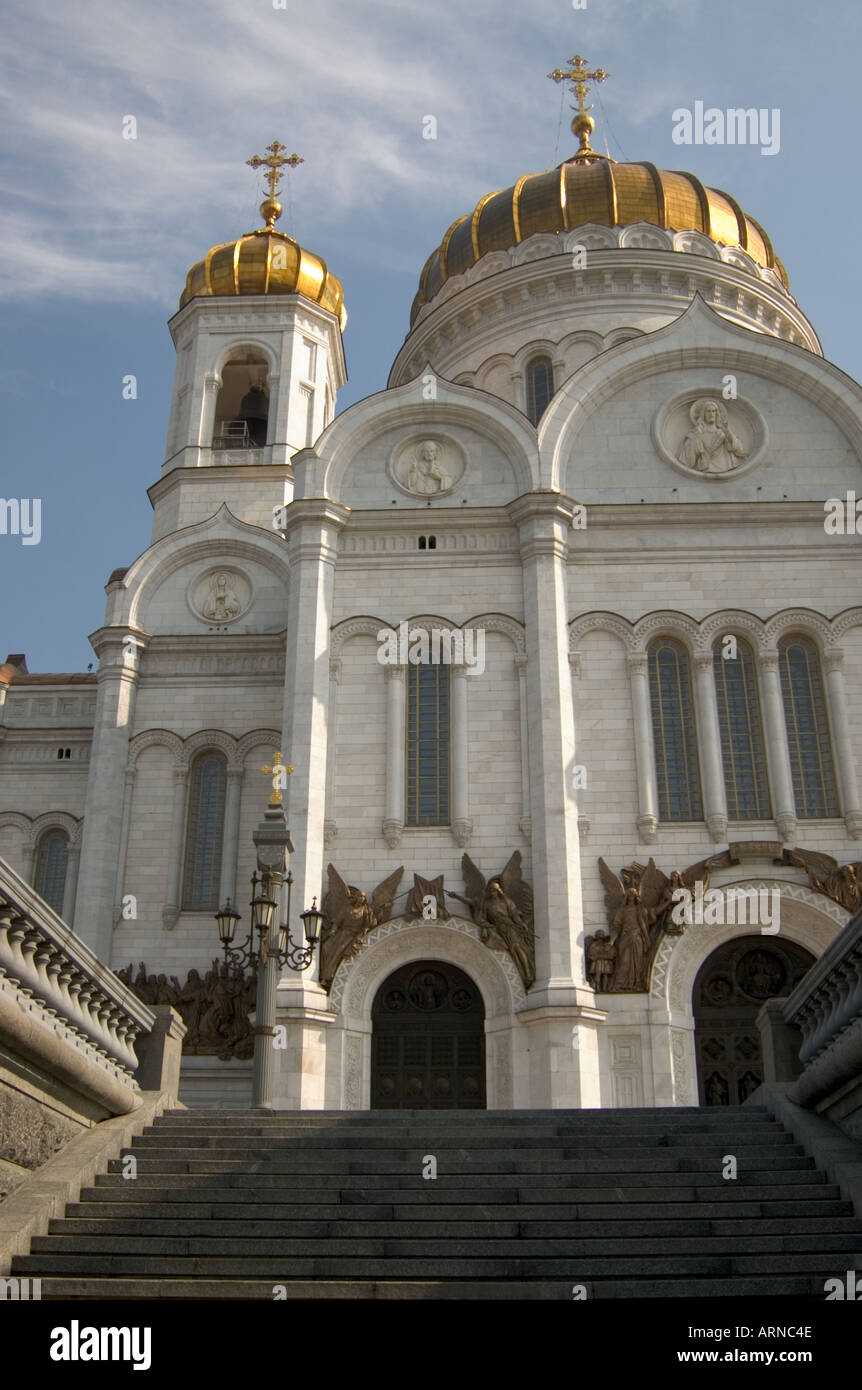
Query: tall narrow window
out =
(674, 732)
(204, 832)
(807, 729)
(540, 387)
(52, 858)
(739, 722)
(428, 744)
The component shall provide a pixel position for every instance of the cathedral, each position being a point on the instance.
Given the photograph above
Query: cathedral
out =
(553, 647)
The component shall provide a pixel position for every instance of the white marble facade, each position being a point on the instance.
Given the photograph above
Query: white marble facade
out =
(570, 546)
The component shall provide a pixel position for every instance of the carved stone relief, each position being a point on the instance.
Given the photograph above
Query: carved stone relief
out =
(221, 595)
(427, 466)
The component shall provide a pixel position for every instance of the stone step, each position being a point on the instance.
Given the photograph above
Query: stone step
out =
(446, 1187)
(242, 1141)
(451, 1247)
(163, 1225)
(562, 1163)
(677, 1113)
(405, 1267)
(628, 1213)
(140, 1287)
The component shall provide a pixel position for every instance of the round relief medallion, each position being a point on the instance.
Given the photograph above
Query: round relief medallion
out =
(427, 465)
(428, 990)
(220, 596)
(702, 435)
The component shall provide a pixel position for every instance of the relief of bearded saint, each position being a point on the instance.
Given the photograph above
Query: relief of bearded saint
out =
(711, 447)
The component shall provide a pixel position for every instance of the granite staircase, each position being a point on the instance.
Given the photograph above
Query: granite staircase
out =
(525, 1204)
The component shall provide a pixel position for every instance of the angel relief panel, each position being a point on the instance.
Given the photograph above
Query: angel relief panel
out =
(502, 908)
(348, 917)
(640, 905)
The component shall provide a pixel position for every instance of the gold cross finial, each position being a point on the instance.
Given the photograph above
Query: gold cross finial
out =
(279, 772)
(583, 124)
(271, 208)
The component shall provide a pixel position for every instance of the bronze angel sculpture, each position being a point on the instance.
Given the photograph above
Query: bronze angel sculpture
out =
(347, 916)
(639, 904)
(502, 908)
(840, 882)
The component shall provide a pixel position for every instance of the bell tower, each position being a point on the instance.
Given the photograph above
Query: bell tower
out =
(260, 361)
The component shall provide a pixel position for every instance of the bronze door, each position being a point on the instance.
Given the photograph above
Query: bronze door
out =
(729, 991)
(428, 1040)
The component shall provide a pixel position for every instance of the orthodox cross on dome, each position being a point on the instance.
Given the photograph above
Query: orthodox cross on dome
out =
(279, 774)
(583, 124)
(271, 208)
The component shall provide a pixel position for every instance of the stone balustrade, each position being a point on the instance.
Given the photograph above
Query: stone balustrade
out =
(820, 1024)
(57, 999)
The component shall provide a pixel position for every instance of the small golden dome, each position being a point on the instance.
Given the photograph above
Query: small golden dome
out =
(265, 262)
(598, 190)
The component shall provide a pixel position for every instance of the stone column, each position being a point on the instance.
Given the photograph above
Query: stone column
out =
(462, 826)
(176, 849)
(330, 826)
(777, 752)
(119, 651)
(560, 1006)
(638, 664)
(70, 888)
(230, 835)
(845, 757)
(709, 746)
(524, 823)
(311, 527)
(28, 857)
(128, 795)
(212, 385)
(396, 721)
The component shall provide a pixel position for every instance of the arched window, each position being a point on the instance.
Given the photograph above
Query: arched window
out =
(427, 762)
(540, 387)
(674, 732)
(204, 832)
(242, 408)
(52, 856)
(741, 728)
(807, 729)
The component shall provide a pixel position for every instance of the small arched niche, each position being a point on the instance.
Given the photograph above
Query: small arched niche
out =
(242, 408)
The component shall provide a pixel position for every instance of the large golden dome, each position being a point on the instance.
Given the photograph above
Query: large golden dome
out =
(601, 191)
(265, 262)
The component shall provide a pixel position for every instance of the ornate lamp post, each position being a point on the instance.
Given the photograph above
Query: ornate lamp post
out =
(275, 948)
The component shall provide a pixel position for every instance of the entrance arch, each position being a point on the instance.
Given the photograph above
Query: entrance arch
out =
(428, 1040)
(731, 986)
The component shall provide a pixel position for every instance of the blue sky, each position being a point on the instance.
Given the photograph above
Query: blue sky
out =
(98, 232)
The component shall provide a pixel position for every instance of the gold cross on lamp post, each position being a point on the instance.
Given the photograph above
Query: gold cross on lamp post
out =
(279, 772)
(583, 124)
(271, 208)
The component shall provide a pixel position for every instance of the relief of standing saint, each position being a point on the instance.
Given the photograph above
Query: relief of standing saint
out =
(711, 447)
(427, 474)
(222, 603)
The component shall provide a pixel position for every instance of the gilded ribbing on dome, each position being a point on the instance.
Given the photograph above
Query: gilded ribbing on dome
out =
(600, 191)
(265, 262)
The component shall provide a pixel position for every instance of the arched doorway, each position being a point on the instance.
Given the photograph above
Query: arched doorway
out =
(729, 991)
(428, 1040)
